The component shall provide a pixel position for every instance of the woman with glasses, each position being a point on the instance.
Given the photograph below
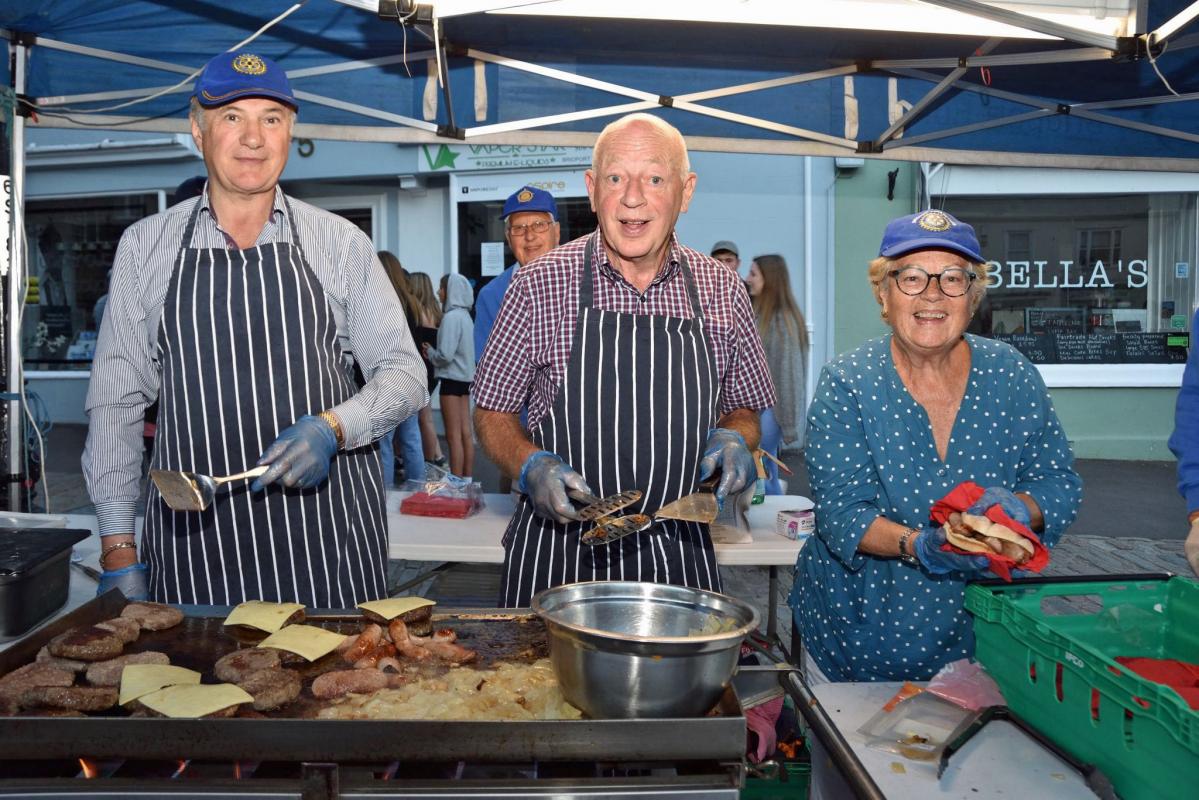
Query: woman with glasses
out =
(896, 425)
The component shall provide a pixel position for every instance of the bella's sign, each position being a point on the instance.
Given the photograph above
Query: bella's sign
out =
(1068, 275)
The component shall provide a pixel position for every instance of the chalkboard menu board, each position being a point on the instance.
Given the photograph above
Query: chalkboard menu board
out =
(1050, 320)
(1064, 347)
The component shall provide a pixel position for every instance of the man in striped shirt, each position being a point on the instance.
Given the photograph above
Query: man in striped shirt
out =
(244, 311)
(642, 369)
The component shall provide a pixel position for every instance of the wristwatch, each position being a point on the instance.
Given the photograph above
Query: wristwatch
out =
(905, 553)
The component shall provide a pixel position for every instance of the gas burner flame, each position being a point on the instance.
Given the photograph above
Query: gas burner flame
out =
(89, 769)
(178, 773)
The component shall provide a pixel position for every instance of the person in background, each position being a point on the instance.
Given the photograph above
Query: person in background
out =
(426, 334)
(262, 377)
(785, 339)
(1184, 443)
(531, 229)
(454, 362)
(726, 253)
(639, 364)
(411, 450)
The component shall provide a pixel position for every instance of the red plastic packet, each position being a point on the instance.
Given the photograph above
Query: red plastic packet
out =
(963, 496)
(422, 504)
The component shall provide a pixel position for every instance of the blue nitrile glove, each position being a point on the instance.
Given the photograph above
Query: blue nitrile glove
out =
(545, 478)
(726, 450)
(999, 496)
(299, 456)
(927, 549)
(131, 580)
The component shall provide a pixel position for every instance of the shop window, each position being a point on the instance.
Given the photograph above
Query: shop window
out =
(1087, 280)
(71, 245)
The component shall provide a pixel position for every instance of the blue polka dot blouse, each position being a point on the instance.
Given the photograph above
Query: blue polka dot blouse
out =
(871, 453)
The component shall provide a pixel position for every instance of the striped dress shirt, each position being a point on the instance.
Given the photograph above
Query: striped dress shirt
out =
(529, 346)
(125, 372)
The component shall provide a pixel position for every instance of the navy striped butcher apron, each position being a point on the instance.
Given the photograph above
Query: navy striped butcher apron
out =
(633, 412)
(248, 345)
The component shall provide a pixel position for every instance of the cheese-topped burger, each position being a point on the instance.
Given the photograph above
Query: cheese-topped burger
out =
(977, 534)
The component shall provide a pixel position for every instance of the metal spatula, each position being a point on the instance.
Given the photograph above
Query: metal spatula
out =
(191, 491)
(598, 507)
(697, 507)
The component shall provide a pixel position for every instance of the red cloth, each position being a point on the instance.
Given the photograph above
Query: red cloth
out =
(963, 496)
(1178, 675)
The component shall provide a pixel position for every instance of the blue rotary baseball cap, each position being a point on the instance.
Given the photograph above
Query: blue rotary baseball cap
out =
(529, 198)
(239, 74)
(929, 229)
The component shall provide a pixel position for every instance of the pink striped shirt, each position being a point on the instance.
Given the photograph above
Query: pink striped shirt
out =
(529, 347)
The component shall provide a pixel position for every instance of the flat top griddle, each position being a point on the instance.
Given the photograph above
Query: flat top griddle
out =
(291, 733)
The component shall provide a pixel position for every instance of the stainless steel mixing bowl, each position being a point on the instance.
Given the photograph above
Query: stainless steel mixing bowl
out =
(624, 649)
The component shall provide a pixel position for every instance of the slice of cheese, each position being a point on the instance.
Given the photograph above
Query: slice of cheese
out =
(195, 700)
(308, 641)
(262, 615)
(393, 607)
(138, 680)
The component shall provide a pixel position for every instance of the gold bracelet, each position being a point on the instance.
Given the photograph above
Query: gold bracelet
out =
(107, 551)
(335, 424)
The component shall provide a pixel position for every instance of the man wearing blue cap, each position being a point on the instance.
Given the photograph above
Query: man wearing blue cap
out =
(531, 228)
(244, 313)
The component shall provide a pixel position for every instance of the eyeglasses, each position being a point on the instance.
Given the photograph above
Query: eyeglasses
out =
(954, 282)
(540, 226)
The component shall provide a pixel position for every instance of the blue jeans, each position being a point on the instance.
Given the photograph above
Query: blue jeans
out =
(772, 438)
(411, 452)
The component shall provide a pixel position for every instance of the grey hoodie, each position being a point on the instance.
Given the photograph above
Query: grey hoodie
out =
(454, 355)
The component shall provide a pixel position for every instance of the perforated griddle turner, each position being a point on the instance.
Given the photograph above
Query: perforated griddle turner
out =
(191, 491)
(595, 508)
(696, 507)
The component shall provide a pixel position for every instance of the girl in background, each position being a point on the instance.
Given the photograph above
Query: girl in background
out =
(785, 339)
(411, 448)
(454, 364)
(425, 333)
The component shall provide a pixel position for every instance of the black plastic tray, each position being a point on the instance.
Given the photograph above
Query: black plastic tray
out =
(35, 575)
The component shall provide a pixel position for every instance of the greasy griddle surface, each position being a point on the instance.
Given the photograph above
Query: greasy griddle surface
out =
(197, 643)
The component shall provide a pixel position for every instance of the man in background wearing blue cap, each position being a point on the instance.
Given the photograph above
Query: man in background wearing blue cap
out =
(531, 229)
(244, 312)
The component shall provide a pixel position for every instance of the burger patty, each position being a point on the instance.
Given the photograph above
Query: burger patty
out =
(153, 616)
(68, 664)
(128, 629)
(87, 643)
(271, 688)
(29, 676)
(419, 620)
(75, 698)
(240, 664)
(108, 673)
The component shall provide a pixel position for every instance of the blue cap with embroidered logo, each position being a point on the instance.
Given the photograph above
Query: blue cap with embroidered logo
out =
(928, 229)
(239, 74)
(529, 198)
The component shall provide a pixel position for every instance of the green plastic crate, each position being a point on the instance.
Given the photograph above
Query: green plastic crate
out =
(791, 784)
(1058, 672)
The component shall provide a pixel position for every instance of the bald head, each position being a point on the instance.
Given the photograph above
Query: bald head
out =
(674, 145)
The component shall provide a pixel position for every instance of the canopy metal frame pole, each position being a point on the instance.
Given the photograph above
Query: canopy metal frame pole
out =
(1175, 23)
(16, 288)
(918, 108)
(1029, 23)
(1082, 110)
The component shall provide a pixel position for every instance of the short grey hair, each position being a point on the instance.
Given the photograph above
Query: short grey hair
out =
(667, 131)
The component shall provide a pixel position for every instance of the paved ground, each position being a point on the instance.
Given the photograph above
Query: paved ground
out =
(1131, 521)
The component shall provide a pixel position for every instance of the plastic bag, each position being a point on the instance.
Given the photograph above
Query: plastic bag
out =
(917, 726)
(450, 496)
(967, 684)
